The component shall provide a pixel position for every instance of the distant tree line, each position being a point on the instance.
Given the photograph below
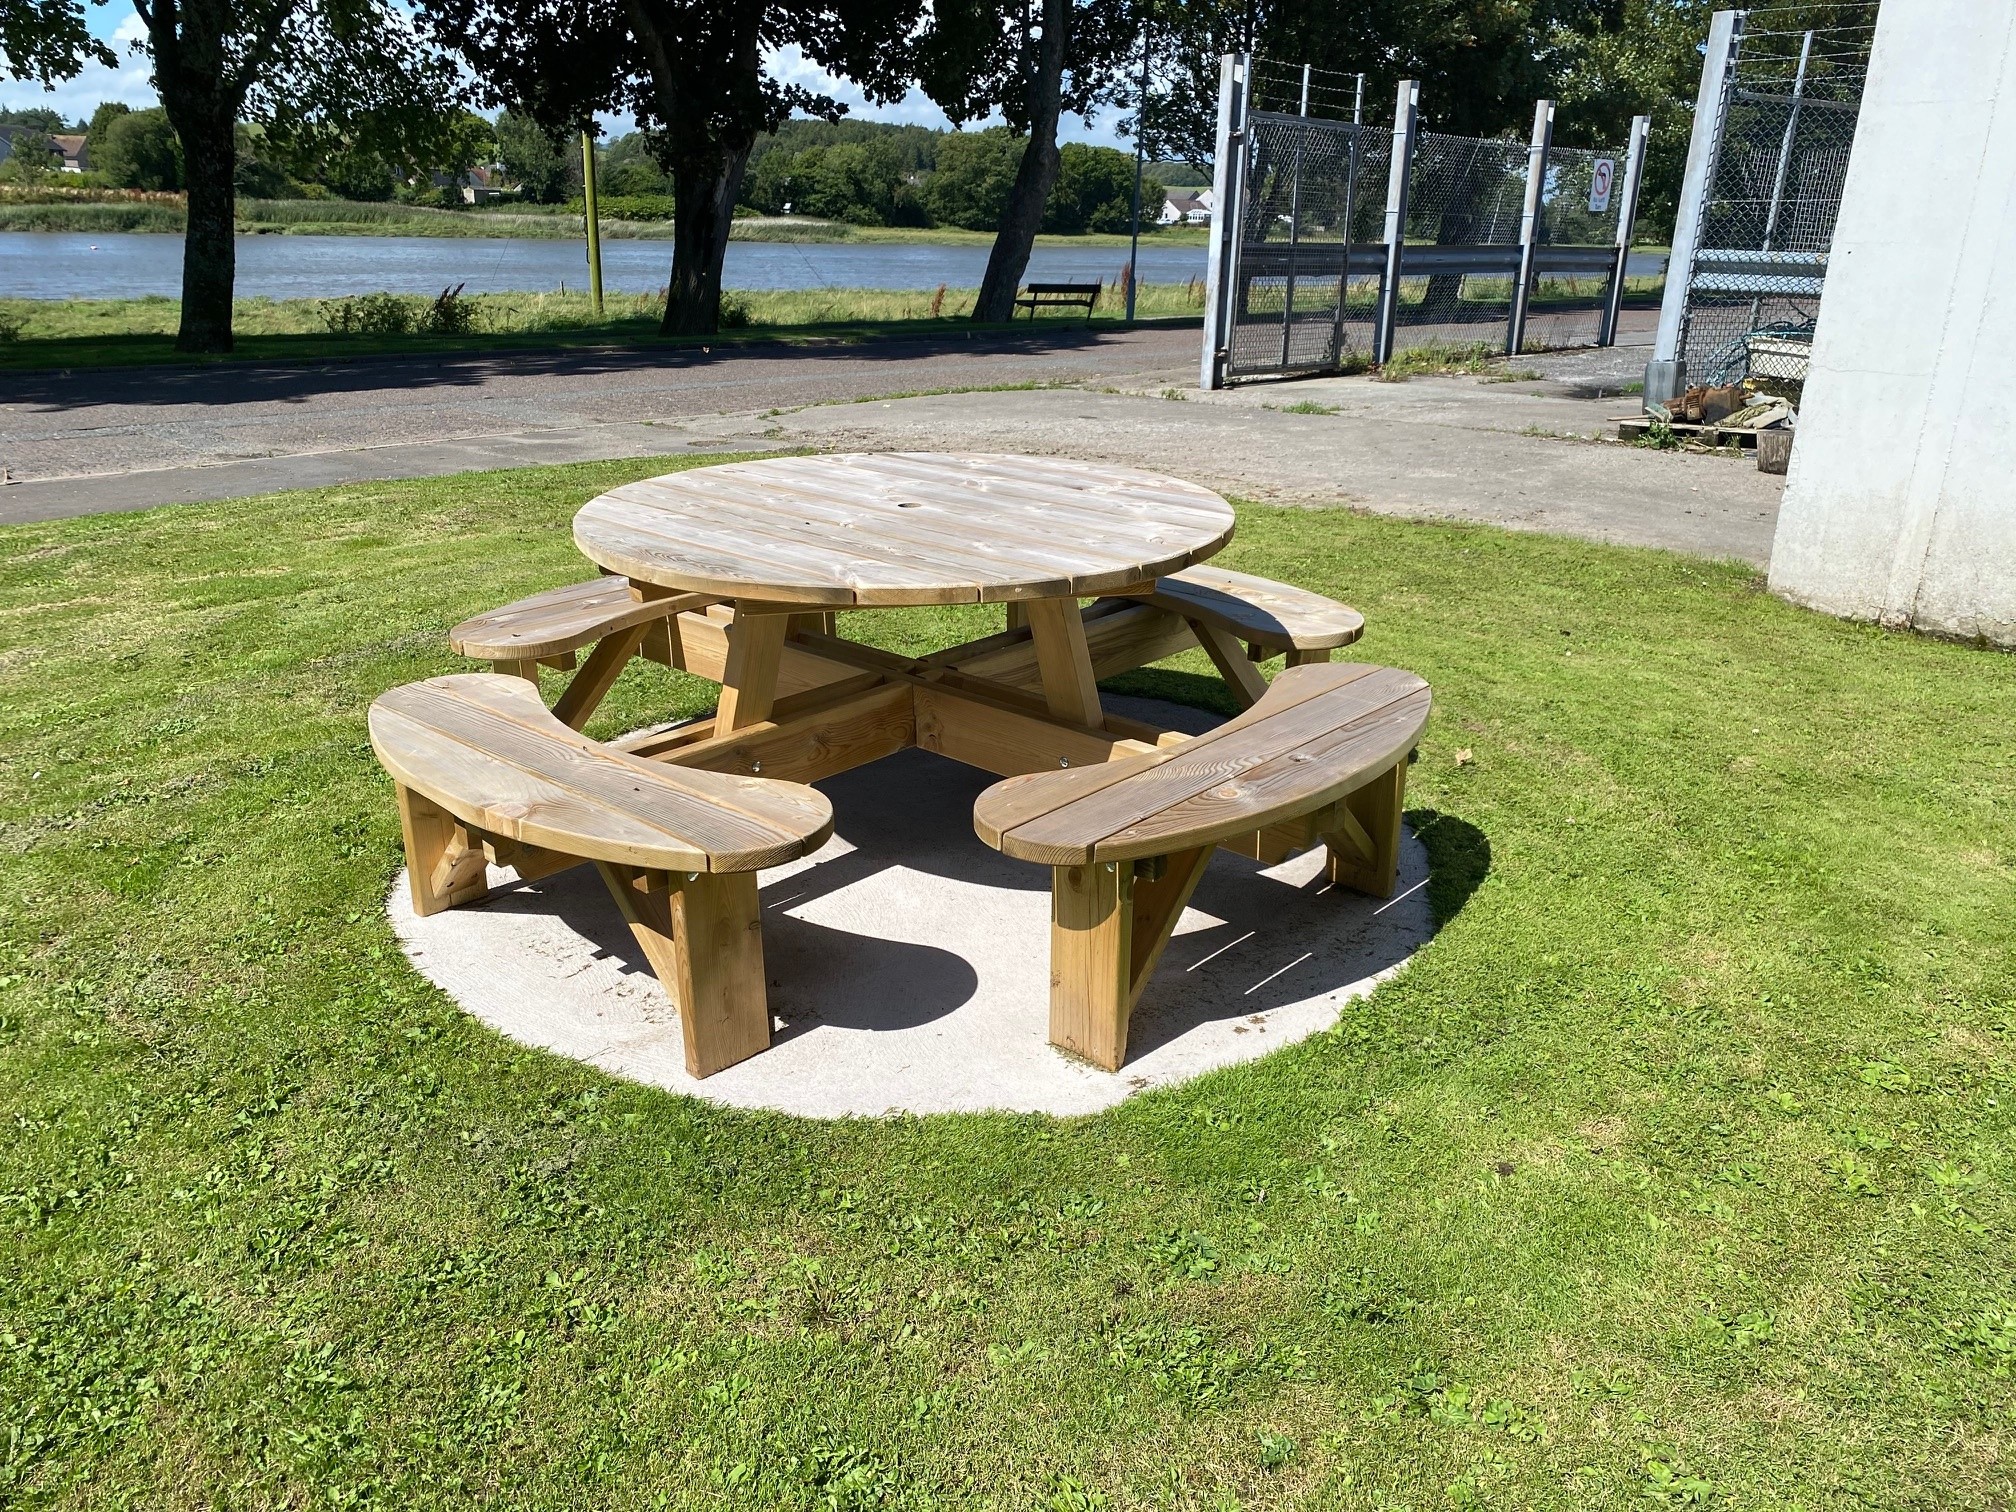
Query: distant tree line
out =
(865, 173)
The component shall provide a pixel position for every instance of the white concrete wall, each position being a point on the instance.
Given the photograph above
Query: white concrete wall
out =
(1901, 503)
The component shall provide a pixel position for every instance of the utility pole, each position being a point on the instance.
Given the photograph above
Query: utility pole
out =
(1140, 126)
(592, 220)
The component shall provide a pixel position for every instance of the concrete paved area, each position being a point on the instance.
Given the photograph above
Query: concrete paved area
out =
(1523, 454)
(909, 964)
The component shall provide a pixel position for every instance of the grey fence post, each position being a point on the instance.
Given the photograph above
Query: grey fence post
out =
(1666, 374)
(1627, 227)
(1529, 221)
(1220, 260)
(1406, 123)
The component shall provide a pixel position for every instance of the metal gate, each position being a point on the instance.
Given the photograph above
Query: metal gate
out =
(1307, 254)
(1338, 242)
(1773, 124)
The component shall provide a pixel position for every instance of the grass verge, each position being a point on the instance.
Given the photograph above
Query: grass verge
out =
(108, 332)
(1678, 1170)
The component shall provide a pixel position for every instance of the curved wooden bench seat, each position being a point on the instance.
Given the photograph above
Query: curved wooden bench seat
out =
(1277, 616)
(560, 620)
(1128, 840)
(548, 628)
(486, 775)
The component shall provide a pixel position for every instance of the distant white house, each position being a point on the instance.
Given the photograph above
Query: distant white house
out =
(1188, 208)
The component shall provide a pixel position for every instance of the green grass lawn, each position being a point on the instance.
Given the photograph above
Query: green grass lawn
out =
(1676, 1171)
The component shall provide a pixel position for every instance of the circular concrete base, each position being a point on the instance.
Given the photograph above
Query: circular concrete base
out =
(909, 964)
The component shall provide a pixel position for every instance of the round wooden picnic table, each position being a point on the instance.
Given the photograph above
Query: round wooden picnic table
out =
(788, 537)
(902, 528)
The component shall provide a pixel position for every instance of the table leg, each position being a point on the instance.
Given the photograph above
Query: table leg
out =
(749, 679)
(1065, 661)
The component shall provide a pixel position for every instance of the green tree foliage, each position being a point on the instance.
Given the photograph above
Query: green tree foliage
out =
(862, 182)
(310, 72)
(629, 167)
(140, 150)
(976, 170)
(695, 75)
(1646, 62)
(915, 147)
(47, 40)
(102, 118)
(542, 165)
(1094, 189)
(40, 117)
(1095, 192)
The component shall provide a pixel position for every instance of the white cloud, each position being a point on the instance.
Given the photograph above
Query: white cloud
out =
(76, 98)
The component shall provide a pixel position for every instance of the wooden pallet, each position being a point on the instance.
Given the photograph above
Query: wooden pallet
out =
(1632, 427)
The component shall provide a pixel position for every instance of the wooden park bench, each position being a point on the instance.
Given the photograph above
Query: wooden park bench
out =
(548, 628)
(1322, 754)
(1051, 295)
(486, 776)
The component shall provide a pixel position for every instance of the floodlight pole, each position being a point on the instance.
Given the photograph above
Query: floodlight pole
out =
(1666, 373)
(592, 220)
(1529, 222)
(1406, 127)
(1627, 225)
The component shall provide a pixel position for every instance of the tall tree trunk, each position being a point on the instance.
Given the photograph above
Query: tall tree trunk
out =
(1034, 178)
(703, 210)
(209, 245)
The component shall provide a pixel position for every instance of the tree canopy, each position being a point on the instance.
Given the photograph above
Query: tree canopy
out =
(693, 73)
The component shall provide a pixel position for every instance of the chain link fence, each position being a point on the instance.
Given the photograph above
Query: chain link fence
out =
(1313, 225)
(1315, 190)
(1566, 306)
(1784, 110)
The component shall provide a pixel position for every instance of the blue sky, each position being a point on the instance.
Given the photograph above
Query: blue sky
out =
(117, 23)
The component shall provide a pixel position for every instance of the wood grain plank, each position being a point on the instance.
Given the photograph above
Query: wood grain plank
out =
(559, 620)
(906, 529)
(480, 751)
(589, 686)
(1274, 615)
(1278, 759)
(1008, 805)
(1247, 682)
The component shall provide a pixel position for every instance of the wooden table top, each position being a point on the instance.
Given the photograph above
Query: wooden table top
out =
(902, 528)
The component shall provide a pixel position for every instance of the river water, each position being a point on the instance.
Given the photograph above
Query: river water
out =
(61, 265)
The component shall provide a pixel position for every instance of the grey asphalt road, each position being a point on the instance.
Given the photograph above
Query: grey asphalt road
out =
(495, 410)
(1520, 448)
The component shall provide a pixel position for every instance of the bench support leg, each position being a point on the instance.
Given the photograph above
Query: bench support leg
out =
(1365, 843)
(1109, 923)
(703, 936)
(445, 864)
